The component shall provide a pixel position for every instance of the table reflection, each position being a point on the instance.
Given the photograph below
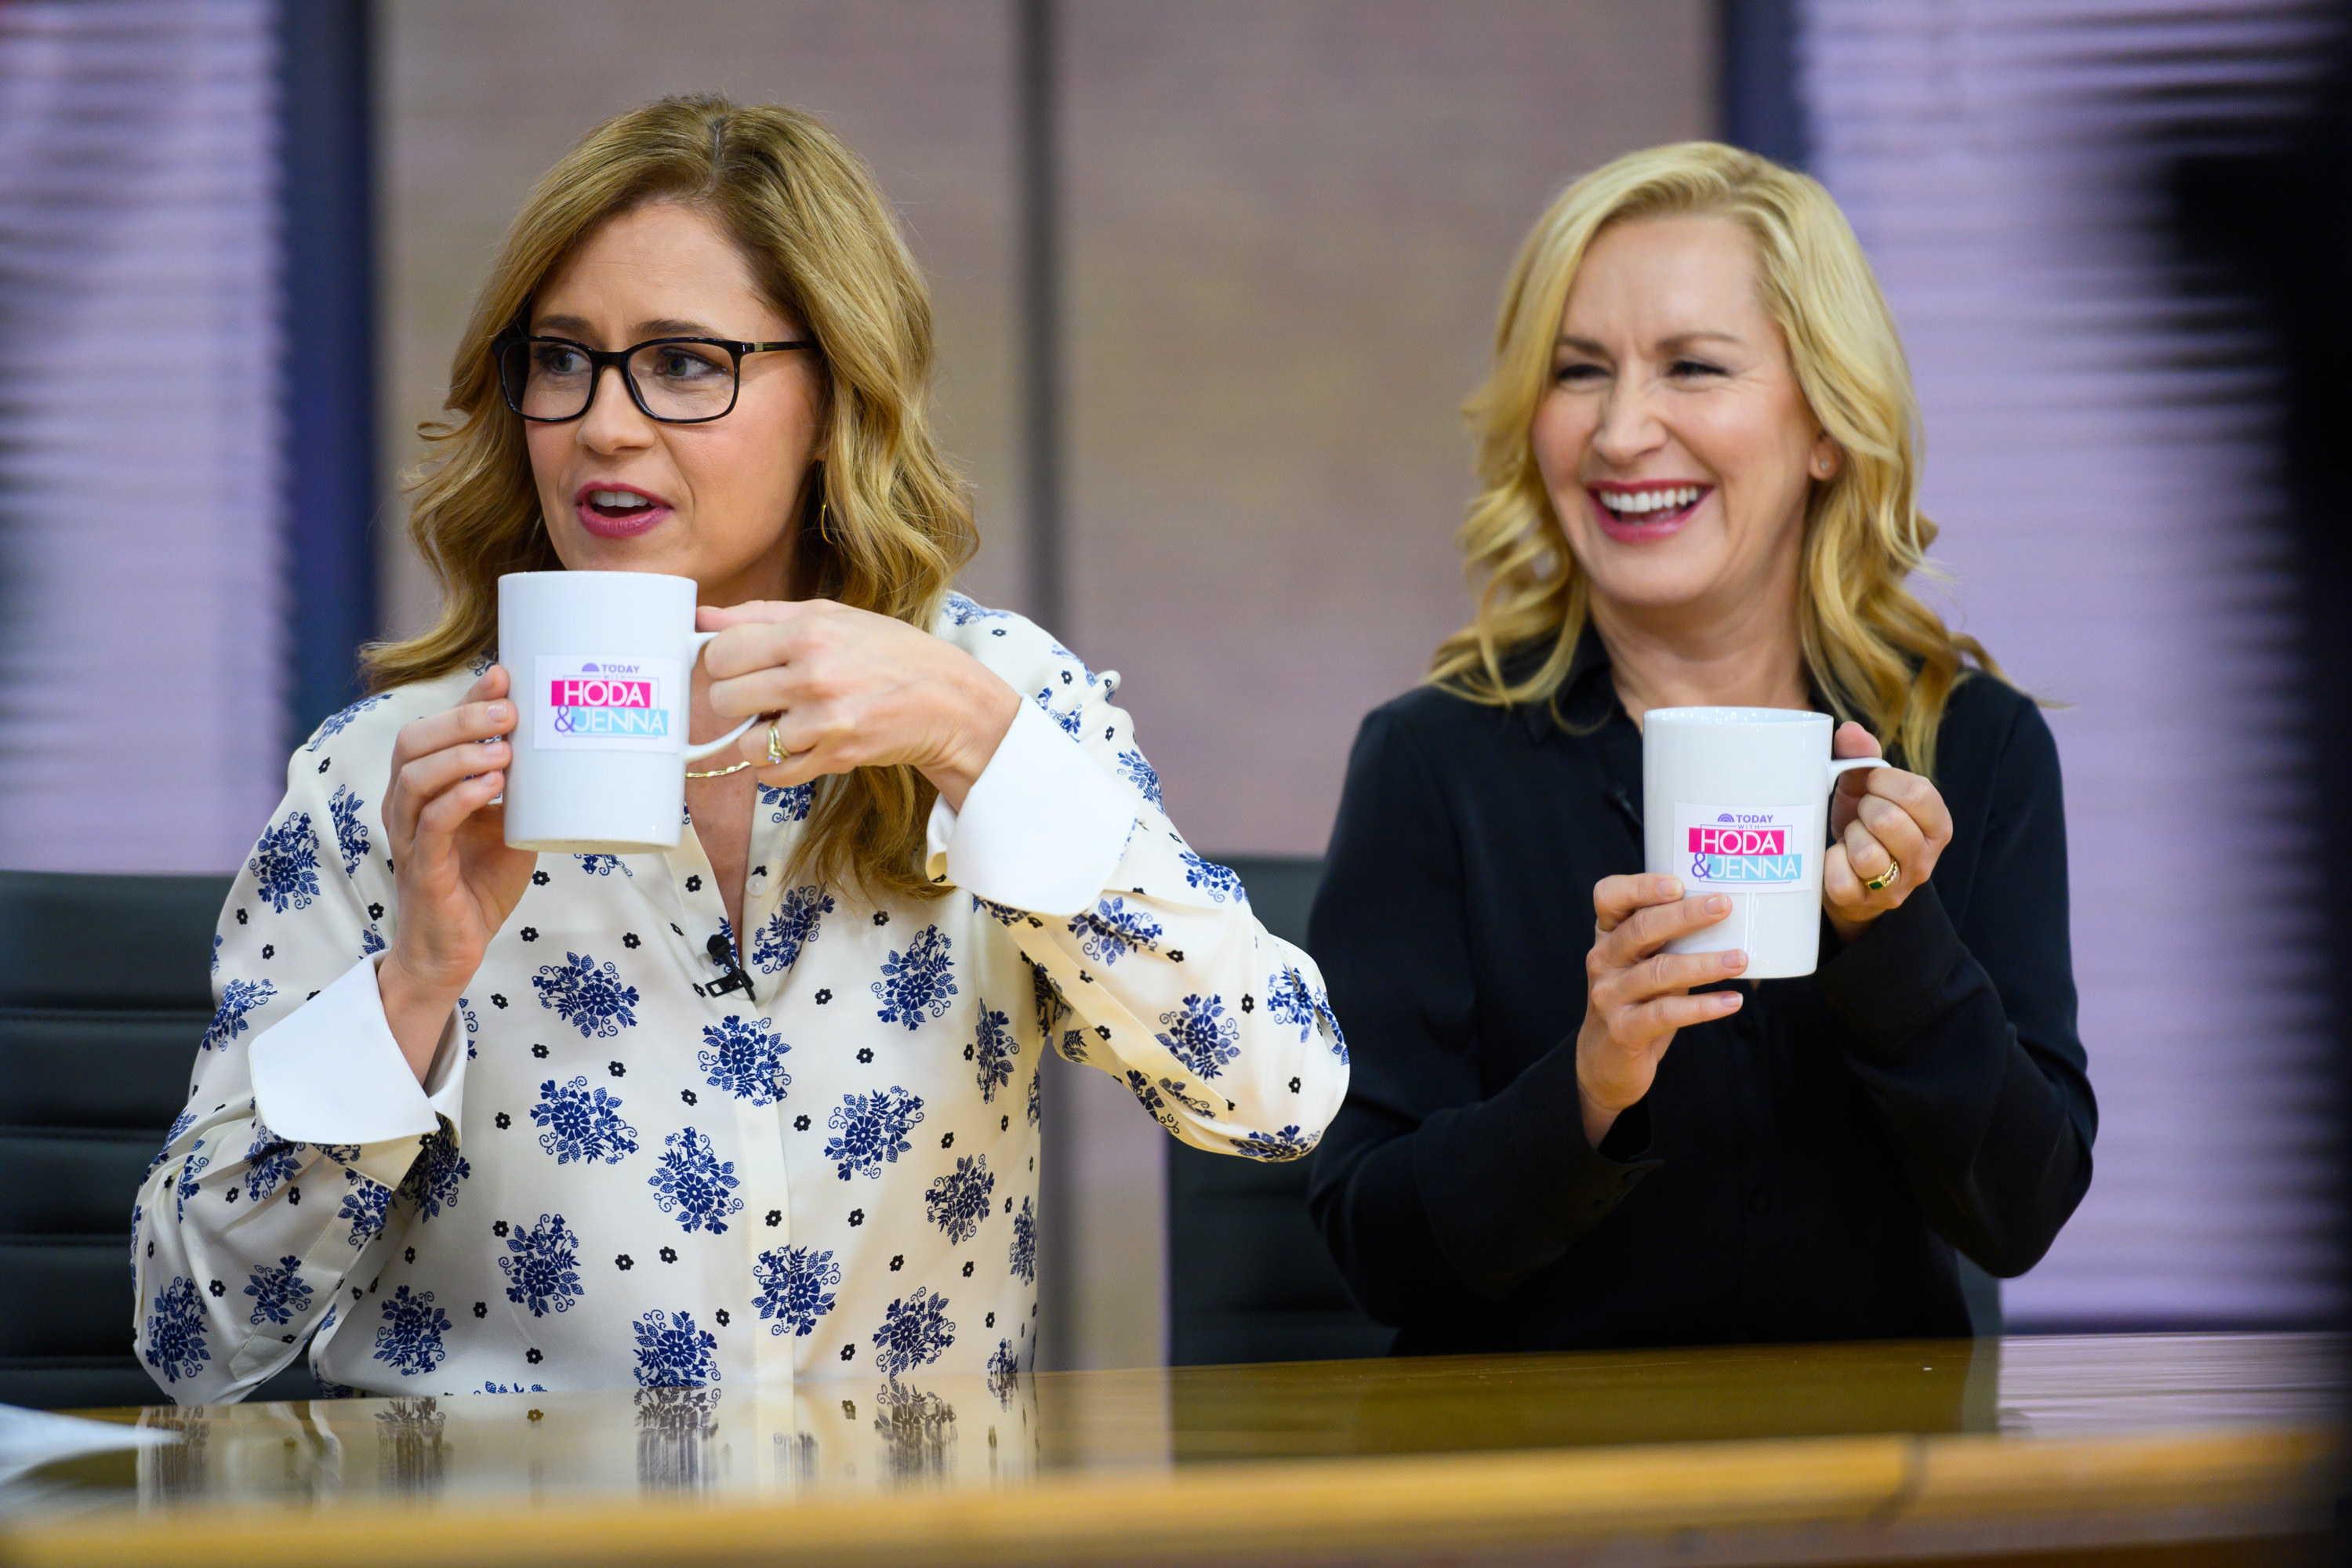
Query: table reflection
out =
(833, 1436)
(949, 1434)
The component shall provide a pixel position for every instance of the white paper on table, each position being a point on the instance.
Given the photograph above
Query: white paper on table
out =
(31, 1438)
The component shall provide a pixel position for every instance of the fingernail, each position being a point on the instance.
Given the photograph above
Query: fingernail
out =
(1719, 905)
(1728, 1000)
(498, 713)
(1734, 959)
(1668, 887)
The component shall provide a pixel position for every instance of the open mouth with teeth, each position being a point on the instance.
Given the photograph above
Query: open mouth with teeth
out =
(618, 511)
(1645, 511)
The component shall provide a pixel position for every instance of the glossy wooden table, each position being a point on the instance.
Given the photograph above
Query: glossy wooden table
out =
(2174, 1449)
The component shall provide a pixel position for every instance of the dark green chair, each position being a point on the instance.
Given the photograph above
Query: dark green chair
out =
(105, 988)
(1249, 1279)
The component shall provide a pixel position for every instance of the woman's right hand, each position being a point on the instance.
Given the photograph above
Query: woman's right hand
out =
(1636, 997)
(457, 880)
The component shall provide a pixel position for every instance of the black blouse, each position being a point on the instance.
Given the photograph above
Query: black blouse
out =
(1802, 1170)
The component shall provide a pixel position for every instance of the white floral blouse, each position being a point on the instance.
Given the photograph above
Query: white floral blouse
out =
(652, 1151)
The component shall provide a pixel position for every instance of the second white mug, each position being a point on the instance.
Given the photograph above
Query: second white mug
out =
(1736, 800)
(600, 667)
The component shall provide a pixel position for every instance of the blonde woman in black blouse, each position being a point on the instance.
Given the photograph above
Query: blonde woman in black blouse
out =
(1700, 476)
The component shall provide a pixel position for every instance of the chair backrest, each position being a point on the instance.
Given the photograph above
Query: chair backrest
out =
(105, 989)
(1249, 1277)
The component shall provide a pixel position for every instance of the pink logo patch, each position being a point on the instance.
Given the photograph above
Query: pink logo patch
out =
(1738, 840)
(599, 691)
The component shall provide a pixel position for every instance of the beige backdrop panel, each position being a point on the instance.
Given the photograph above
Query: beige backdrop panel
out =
(476, 101)
(1287, 230)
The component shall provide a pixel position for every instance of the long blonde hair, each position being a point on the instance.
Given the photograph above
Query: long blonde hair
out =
(888, 523)
(1874, 650)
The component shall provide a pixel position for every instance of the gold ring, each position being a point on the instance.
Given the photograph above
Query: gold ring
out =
(1886, 878)
(776, 753)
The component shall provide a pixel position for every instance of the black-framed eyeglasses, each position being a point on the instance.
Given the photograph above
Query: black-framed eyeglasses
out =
(677, 380)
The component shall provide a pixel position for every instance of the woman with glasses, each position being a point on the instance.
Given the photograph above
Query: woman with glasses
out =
(475, 1119)
(1699, 458)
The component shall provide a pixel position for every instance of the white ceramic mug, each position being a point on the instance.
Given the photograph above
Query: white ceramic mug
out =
(1736, 800)
(600, 667)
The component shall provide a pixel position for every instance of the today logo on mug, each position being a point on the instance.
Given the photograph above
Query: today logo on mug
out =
(1736, 800)
(600, 665)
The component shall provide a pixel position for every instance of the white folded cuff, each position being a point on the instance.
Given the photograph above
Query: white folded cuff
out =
(1041, 829)
(330, 1072)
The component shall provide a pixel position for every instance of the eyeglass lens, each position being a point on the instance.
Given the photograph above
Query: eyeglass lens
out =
(555, 381)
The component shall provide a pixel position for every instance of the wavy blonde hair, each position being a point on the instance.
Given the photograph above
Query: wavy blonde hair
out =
(888, 520)
(1876, 650)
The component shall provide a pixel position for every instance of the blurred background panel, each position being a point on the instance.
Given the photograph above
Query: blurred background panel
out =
(2101, 453)
(1285, 231)
(142, 630)
(475, 101)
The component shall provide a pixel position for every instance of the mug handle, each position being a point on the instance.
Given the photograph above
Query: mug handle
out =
(696, 753)
(1847, 765)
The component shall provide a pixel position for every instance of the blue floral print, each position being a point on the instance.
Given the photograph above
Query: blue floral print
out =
(542, 1267)
(958, 1201)
(746, 1058)
(1113, 928)
(269, 1163)
(1291, 1000)
(1024, 1243)
(351, 833)
(791, 928)
(1220, 882)
(179, 1125)
(1036, 1091)
(602, 865)
(1148, 1098)
(175, 1331)
(239, 998)
(994, 1049)
(410, 1339)
(1071, 723)
(1201, 1035)
(1142, 775)
(1284, 1144)
(336, 723)
(914, 1331)
(692, 1181)
(672, 1352)
(873, 1130)
(582, 1124)
(189, 1172)
(280, 1295)
(790, 804)
(916, 985)
(365, 1205)
(1003, 1369)
(285, 864)
(590, 999)
(795, 1288)
(962, 612)
(431, 1183)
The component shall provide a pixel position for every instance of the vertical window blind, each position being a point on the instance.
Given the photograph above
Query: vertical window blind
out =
(141, 650)
(2099, 457)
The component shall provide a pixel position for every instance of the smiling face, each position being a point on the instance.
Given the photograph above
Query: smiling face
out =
(621, 492)
(1673, 440)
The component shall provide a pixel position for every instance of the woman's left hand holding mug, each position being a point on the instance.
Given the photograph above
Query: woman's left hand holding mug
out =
(1878, 818)
(851, 688)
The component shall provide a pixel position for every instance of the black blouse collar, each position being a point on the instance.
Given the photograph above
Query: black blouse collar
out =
(1585, 698)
